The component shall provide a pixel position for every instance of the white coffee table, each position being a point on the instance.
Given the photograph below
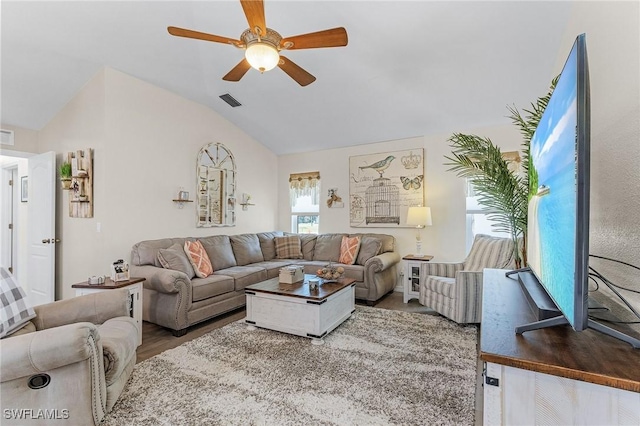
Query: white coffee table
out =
(295, 309)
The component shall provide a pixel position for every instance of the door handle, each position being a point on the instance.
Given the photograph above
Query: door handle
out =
(47, 241)
(50, 241)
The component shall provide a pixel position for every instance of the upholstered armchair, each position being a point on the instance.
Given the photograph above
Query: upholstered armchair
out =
(455, 289)
(70, 362)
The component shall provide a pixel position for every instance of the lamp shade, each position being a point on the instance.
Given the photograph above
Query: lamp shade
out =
(262, 56)
(419, 216)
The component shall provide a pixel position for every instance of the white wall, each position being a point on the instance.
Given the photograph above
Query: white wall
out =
(145, 142)
(613, 49)
(444, 192)
(25, 140)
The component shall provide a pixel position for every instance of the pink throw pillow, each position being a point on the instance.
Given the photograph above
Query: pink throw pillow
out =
(198, 258)
(349, 250)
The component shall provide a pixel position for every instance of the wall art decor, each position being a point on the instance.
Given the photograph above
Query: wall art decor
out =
(216, 194)
(81, 189)
(334, 201)
(383, 186)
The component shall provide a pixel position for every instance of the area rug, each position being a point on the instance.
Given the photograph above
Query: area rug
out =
(380, 367)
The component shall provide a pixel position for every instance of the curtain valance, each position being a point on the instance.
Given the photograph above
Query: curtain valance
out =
(305, 184)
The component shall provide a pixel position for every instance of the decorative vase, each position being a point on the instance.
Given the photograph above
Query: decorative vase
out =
(66, 183)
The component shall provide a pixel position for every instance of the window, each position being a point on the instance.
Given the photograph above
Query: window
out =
(304, 192)
(478, 221)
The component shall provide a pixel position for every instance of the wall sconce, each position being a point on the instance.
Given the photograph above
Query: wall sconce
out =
(246, 201)
(419, 217)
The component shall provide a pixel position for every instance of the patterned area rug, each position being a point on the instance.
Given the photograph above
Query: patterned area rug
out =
(379, 367)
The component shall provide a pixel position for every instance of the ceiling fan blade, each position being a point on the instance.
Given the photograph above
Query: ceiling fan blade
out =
(254, 11)
(334, 37)
(238, 71)
(181, 32)
(295, 72)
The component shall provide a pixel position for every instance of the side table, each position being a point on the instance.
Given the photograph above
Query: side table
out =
(412, 272)
(134, 285)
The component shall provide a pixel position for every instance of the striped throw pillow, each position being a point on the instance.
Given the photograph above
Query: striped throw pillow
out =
(349, 250)
(198, 258)
(288, 247)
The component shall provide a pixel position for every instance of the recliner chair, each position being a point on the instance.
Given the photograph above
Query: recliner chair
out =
(455, 289)
(71, 361)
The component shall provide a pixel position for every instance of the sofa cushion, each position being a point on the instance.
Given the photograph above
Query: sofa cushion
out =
(175, 258)
(273, 266)
(16, 311)
(267, 244)
(349, 250)
(244, 275)
(328, 247)
(369, 247)
(246, 248)
(388, 241)
(288, 247)
(198, 258)
(211, 286)
(489, 252)
(308, 244)
(218, 248)
(146, 252)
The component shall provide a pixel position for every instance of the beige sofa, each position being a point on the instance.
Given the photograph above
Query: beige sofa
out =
(71, 361)
(175, 299)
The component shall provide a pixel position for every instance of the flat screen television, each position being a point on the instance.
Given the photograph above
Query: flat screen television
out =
(558, 214)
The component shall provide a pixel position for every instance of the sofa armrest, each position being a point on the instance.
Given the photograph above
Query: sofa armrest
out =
(160, 279)
(468, 297)
(119, 337)
(48, 349)
(95, 308)
(382, 262)
(441, 269)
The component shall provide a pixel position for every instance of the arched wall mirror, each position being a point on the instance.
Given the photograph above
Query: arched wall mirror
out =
(216, 186)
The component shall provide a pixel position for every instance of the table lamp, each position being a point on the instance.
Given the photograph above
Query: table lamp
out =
(419, 217)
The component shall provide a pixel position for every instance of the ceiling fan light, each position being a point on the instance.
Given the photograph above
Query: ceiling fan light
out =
(262, 56)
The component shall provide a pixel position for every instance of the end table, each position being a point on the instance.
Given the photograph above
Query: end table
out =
(412, 279)
(134, 285)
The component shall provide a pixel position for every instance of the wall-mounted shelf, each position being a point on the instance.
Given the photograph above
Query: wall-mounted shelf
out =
(181, 202)
(81, 187)
(245, 206)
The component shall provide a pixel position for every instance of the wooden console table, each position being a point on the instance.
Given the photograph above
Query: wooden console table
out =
(553, 375)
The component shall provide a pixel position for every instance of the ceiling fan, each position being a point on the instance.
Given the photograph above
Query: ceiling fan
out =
(262, 45)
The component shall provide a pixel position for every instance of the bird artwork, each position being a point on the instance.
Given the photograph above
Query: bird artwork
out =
(380, 166)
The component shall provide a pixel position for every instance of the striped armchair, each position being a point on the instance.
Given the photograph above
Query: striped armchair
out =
(455, 289)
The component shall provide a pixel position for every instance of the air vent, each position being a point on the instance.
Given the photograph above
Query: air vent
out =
(6, 137)
(230, 100)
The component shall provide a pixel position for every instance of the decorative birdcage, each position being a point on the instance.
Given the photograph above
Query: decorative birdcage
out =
(381, 200)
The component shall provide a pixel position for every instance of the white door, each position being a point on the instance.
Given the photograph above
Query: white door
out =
(42, 226)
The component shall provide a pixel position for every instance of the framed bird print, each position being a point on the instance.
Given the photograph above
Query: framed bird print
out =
(383, 186)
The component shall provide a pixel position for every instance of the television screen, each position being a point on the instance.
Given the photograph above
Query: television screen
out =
(558, 222)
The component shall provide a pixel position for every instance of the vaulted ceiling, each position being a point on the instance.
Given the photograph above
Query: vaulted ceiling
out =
(411, 68)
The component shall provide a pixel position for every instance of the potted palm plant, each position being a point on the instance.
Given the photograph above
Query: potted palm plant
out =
(504, 193)
(65, 175)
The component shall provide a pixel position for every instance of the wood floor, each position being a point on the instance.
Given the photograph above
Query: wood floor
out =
(156, 339)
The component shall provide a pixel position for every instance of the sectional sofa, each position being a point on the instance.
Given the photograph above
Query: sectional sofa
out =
(175, 298)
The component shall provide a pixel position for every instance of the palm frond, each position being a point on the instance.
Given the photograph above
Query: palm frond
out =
(503, 193)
